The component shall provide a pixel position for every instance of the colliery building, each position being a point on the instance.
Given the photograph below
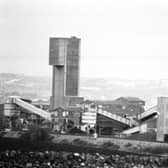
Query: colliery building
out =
(123, 116)
(64, 58)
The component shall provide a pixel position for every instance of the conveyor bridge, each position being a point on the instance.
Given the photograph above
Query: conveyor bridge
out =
(31, 108)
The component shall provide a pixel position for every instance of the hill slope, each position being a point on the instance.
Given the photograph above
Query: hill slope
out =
(90, 88)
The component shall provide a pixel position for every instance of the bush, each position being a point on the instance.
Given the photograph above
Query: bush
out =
(128, 145)
(36, 134)
(79, 142)
(64, 141)
(156, 150)
(111, 145)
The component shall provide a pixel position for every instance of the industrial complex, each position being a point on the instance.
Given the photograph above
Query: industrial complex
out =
(122, 117)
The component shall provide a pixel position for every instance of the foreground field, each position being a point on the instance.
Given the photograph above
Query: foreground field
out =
(86, 143)
(125, 145)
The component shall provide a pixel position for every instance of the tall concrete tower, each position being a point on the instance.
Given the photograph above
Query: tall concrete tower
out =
(162, 121)
(64, 57)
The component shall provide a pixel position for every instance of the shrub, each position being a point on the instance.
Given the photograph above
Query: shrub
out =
(79, 142)
(128, 145)
(111, 145)
(156, 150)
(64, 141)
(76, 131)
(36, 134)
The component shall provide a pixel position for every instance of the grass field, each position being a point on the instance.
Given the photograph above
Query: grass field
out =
(126, 145)
(87, 144)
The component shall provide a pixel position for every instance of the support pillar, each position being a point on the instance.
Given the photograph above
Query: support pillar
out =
(162, 121)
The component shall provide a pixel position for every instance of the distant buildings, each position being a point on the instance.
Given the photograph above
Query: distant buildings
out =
(66, 118)
(124, 106)
(64, 58)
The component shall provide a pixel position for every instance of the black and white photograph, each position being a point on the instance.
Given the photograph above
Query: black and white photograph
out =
(83, 84)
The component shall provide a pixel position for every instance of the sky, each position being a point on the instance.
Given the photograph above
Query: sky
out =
(126, 39)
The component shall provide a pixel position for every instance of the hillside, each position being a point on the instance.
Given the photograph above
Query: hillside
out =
(26, 86)
(90, 88)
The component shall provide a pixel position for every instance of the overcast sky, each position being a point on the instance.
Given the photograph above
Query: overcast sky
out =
(119, 38)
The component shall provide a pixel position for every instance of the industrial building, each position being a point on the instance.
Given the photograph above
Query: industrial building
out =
(68, 110)
(64, 57)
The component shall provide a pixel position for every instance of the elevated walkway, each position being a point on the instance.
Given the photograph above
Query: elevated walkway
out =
(30, 108)
(142, 117)
(133, 130)
(150, 112)
(137, 129)
(115, 117)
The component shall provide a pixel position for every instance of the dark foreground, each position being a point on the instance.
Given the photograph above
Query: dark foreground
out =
(21, 154)
(53, 159)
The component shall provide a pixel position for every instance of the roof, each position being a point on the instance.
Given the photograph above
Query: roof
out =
(75, 109)
(41, 102)
(87, 102)
(71, 108)
(119, 100)
(130, 99)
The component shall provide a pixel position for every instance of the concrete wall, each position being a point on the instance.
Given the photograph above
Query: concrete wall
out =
(57, 51)
(58, 87)
(72, 67)
(162, 121)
